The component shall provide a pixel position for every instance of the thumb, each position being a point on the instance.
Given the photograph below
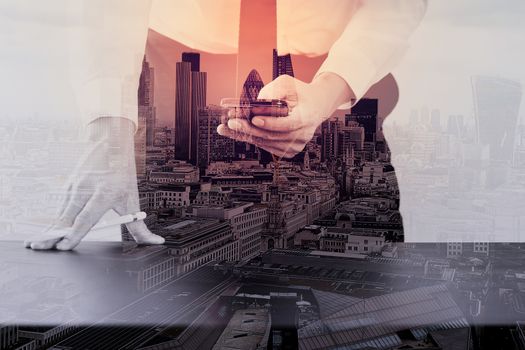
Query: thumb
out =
(281, 88)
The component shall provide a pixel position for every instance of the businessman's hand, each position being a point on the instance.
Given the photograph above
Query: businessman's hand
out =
(105, 178)
(309, 105)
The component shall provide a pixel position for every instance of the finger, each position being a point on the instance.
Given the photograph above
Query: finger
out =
(44, 244)
(138, 229)
(244, 126)
(75, 205)
(142, 235)
(47, 239)
(278, 148)
(272, 91)
(281, 124)
(91, 213)
(238, 136)
(282, 87)
(65, 200)
(50, 230)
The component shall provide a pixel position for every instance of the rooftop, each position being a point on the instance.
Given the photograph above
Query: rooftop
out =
(246, 330)
(383, 316)
(181, 231)
(353, 232)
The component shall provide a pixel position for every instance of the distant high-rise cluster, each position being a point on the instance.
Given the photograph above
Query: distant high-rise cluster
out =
(357, 135)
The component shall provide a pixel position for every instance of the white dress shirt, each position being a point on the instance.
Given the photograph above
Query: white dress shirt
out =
(106, 39)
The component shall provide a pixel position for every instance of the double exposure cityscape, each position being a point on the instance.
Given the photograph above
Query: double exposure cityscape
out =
(263, 253)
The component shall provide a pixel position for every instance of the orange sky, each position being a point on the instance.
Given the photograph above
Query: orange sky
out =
(164, 53)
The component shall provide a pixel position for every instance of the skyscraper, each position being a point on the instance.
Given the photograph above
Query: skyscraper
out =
(212, 146)
(496, 102)
(365, 113)
(145, 134)
(252, 86)
(146, 100)
(281, 65)
(182, 110)
(250, 90)
(330, 139)
(194, 59)
(198, 102)
(190, 97)
(140, 144)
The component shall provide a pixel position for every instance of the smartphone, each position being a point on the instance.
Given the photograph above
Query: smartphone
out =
(248, 109)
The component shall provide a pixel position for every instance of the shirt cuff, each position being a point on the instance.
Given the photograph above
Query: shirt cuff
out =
(358, 72)
(108, 97)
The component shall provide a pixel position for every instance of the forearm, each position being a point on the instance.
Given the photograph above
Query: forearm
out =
(112, 138)
(105, 51)
(334, 91)
(373, 42)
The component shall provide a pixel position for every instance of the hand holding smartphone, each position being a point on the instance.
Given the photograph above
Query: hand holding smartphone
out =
(236, 108)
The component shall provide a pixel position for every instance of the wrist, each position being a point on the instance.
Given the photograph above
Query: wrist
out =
(104, 128)
(115, 132)
(334, 90)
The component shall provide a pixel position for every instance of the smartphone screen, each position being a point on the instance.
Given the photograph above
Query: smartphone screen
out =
(241, 109)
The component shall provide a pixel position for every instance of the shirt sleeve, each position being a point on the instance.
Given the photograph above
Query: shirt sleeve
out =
(106, 46)
(373, 42)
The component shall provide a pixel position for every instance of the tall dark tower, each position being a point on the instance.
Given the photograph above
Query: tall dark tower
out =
(365, 113)
(146, 100)
(198, 103)
(281, 65)
(329, 139)
(194, 59)
(182, 110)
(189, 99)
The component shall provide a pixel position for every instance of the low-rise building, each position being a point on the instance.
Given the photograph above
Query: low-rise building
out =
(213, 196)
(44, 336)
(173, 195)
(198, 241)
(247, 221)
(456, 249)
(178, 173)
(340, 240)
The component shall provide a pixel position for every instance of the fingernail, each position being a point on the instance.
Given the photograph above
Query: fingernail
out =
(234, 124)
(258, 121)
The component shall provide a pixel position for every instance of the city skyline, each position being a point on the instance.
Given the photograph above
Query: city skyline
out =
(354, 243)
(221, 71)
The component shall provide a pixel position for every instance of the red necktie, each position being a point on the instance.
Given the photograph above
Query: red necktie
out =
(257, 39)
